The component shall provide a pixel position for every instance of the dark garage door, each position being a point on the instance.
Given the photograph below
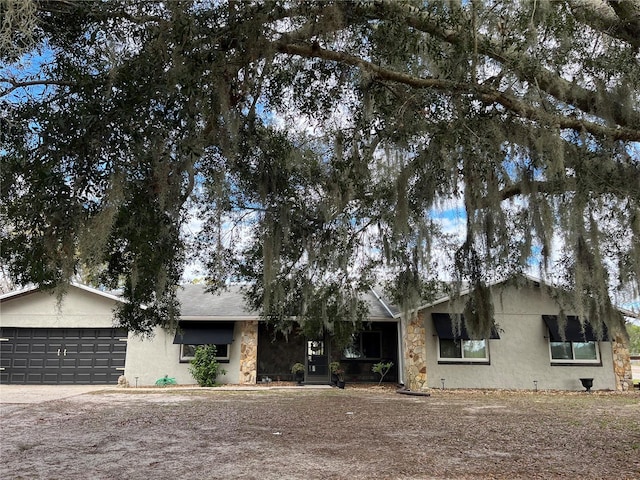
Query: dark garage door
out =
(62, 355)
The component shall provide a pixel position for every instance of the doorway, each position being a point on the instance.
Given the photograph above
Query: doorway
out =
(317, 357)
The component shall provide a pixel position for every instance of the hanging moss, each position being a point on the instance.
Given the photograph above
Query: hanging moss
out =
(315, 141)
(478, 312)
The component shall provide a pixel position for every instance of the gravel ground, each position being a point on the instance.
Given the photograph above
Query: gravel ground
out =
(356, 433)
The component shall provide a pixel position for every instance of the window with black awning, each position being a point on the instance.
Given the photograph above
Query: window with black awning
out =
(574, 331)
(444, 327)
(204, 333)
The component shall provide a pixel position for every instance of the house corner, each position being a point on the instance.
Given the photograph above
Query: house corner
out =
(622, 364)
(248, 352)
(415, 352)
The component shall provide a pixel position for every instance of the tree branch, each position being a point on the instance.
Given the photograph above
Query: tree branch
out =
(524, 67)
(629, 14)
(612, 18)
(483, 92)
(16, 84)
(611, 179)
(547, 186)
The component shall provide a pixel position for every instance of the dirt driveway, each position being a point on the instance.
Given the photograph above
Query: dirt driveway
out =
(45, 393)
(354, 433)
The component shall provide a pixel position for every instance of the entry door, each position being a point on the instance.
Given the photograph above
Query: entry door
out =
(317, 361)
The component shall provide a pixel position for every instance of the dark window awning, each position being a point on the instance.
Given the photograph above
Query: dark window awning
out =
(573, 332)
(204, 333)
(444, 327)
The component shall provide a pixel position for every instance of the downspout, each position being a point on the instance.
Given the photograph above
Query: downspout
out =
(401, 352)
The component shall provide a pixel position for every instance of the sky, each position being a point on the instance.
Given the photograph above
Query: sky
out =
(451, 218)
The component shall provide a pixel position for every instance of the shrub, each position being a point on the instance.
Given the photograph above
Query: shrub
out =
(382, 369)
(205, 367)
(297, 368)
(337, 370)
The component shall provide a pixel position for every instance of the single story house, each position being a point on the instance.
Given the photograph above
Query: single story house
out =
(249, 350)
(76, 342)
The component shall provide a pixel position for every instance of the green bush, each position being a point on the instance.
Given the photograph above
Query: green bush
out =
(634, 338)
(205, 367)
(382, 369)
(297, 368)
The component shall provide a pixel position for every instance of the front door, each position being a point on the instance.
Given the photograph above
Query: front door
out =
(317, 361)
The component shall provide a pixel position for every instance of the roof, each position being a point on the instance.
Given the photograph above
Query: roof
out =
(533, 280)
(229, 304)
(33, 289)
(197, 303)
(380, 307)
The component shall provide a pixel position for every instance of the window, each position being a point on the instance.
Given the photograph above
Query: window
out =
(192, 334)
(578, 352)
(463, 350)
(188, 351)
(365, 345)
(578, 345)
(315, 347)
(456, 345)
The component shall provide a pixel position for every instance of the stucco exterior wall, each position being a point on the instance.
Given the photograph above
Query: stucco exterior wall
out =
(152, 358)
(79, 309)
(521, 355)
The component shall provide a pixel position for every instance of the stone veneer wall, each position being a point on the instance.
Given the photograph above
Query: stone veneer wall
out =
(622, 364)
(415, 353)
(248, 352)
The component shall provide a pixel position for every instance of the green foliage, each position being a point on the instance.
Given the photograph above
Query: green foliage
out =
(204, 367)
(382, 369)
(297, 368)
(634, 338)
(410, 289)
(337, 369)
(318, 143)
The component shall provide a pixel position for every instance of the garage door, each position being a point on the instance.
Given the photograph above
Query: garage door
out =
(62, 355)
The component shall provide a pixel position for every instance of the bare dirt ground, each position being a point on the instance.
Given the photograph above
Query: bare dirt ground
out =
(356, 433)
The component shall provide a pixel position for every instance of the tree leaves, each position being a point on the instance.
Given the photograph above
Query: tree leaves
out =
(315, 140)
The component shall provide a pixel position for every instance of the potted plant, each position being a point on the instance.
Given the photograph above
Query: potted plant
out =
(337, 374)
(298, 372)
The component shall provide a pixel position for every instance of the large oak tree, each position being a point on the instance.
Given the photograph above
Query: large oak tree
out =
(315, 140)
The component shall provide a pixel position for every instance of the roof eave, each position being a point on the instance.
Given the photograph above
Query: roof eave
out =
(35, 288)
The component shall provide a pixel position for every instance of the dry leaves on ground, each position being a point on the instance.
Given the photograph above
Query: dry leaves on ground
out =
(356, 433)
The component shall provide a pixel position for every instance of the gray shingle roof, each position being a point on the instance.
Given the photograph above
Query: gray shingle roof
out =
(379, 306)
(196, 302)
